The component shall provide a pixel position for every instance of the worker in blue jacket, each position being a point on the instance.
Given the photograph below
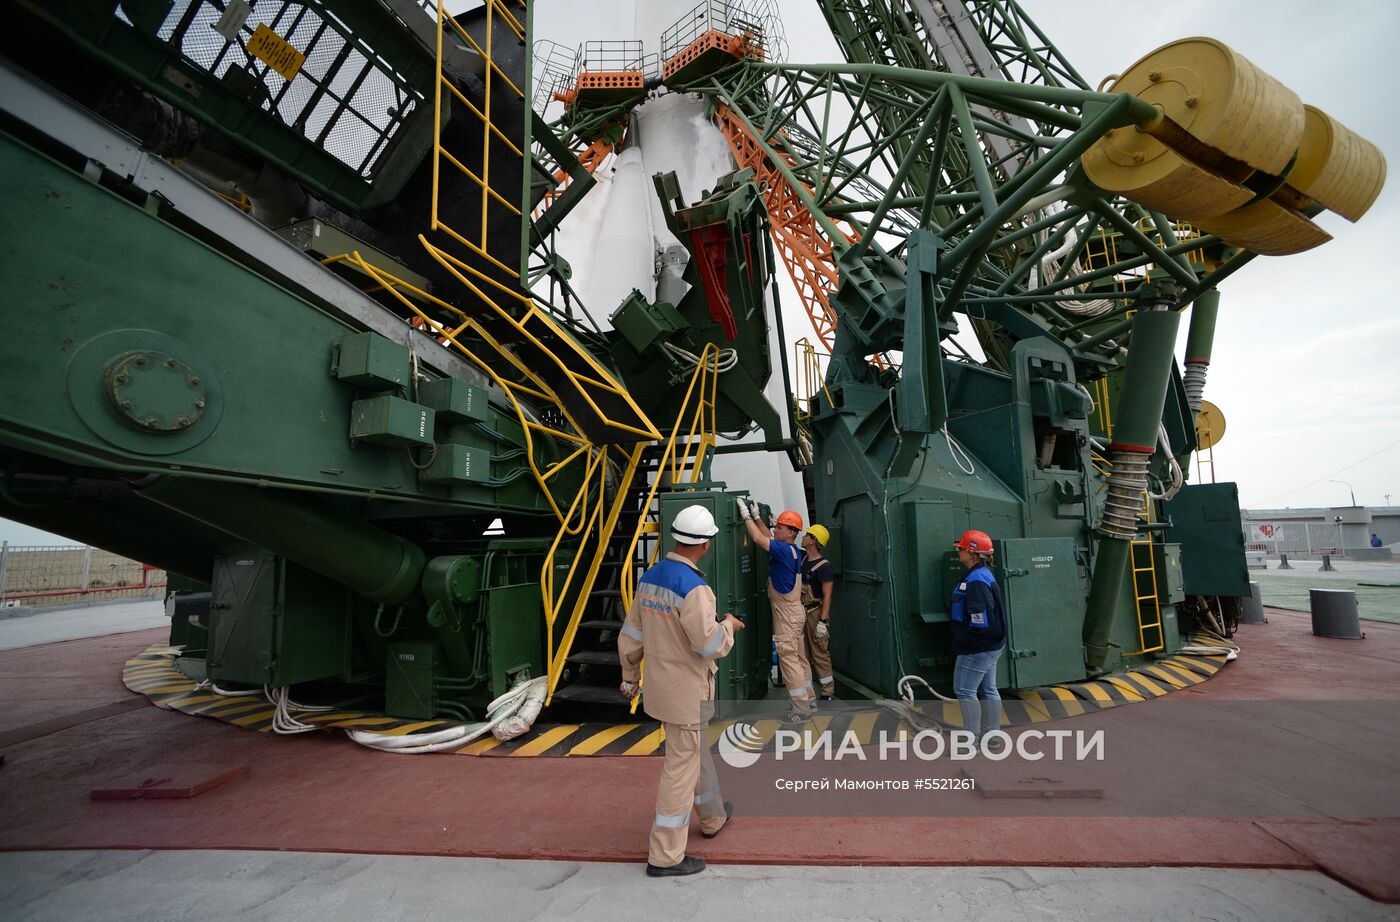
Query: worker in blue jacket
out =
(979, 635)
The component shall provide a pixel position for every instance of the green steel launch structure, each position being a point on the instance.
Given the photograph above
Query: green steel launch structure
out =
(284, 315)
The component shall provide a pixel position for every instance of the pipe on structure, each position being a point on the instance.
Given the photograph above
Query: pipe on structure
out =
(376, 564)
(1146, 376)
(1199, 338)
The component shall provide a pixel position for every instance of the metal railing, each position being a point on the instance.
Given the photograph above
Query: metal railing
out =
(1304, 539)
(305, 67)
(38, 576)
(588, 518)
(554, 68)
(684, 459)
(1101, 251)
(751, 20)
(810, 363)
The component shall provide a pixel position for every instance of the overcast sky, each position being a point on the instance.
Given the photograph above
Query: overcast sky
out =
(1306, 365)
(1307, 355)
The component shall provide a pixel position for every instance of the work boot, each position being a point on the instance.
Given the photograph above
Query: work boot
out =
(728, 815)
(687, 866)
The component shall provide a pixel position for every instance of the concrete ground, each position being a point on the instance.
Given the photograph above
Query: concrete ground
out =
(308, 886)
(65, 857)
(1289, 588)
(39, 626)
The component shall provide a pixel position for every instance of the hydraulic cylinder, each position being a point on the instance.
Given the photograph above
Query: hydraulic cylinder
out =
(315, 535)
(1137, 419)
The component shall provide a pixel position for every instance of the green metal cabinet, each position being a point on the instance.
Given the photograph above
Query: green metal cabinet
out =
(275, 623)
(1205, 521)
(1044, 588)
(736, 570)
(410, 680)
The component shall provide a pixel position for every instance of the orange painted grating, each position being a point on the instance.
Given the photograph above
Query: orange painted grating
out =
(738, 46)
(611, 80)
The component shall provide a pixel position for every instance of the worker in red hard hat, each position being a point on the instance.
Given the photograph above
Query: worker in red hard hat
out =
(979, 635)
(673, 622)
(785, 595)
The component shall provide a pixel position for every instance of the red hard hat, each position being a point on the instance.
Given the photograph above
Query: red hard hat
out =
(790, 519)
(974, 540)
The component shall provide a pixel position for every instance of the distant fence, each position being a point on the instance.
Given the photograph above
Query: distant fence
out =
(1305, 539)
(45, 576)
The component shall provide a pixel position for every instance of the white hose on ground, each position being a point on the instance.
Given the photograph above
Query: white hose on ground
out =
(1194, 650)
(282, 719)
(524, 716)
(523, 701)
(907, 708)
(227, 693)
(906, 689)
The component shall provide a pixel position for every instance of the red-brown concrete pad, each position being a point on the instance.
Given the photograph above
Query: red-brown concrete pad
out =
(49, 681)
(169, 782)
(1283, 661)
(320, 792)
(1365, 856)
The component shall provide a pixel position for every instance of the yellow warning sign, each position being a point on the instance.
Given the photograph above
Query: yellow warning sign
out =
(277, 52)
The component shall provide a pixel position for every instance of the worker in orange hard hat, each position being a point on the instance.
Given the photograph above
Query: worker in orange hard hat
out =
(817, 584)
(785, 594)
(979, 635)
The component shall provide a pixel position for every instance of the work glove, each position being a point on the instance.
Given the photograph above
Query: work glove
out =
(629, 689)
(743, 507)
(821, 631)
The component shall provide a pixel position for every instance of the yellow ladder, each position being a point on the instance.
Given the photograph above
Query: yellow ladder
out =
(1149, 608)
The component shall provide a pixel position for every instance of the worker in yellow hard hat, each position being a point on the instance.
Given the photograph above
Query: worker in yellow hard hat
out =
(817, 584)
(785, 595)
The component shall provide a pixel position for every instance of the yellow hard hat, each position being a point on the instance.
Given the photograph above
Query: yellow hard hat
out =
(820, 533)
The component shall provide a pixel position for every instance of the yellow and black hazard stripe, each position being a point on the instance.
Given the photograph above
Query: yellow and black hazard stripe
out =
(153, 674)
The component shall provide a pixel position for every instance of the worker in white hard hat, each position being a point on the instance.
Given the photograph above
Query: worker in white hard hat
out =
(785, 598)
(817, 584)
(672, 621)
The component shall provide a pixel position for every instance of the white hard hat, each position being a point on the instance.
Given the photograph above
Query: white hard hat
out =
(693, 525)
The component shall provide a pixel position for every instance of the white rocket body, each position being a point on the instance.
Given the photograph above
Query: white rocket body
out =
(613, 237)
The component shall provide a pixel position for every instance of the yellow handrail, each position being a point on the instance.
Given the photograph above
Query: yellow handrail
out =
(699, 440)
(606, 524)
(588, 519)
(811, 377)
(528, 425)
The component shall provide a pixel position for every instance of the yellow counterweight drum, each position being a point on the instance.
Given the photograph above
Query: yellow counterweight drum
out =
(1234, 151)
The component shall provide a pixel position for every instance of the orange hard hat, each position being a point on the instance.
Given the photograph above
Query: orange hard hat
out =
(973, 540)
(790, 519)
